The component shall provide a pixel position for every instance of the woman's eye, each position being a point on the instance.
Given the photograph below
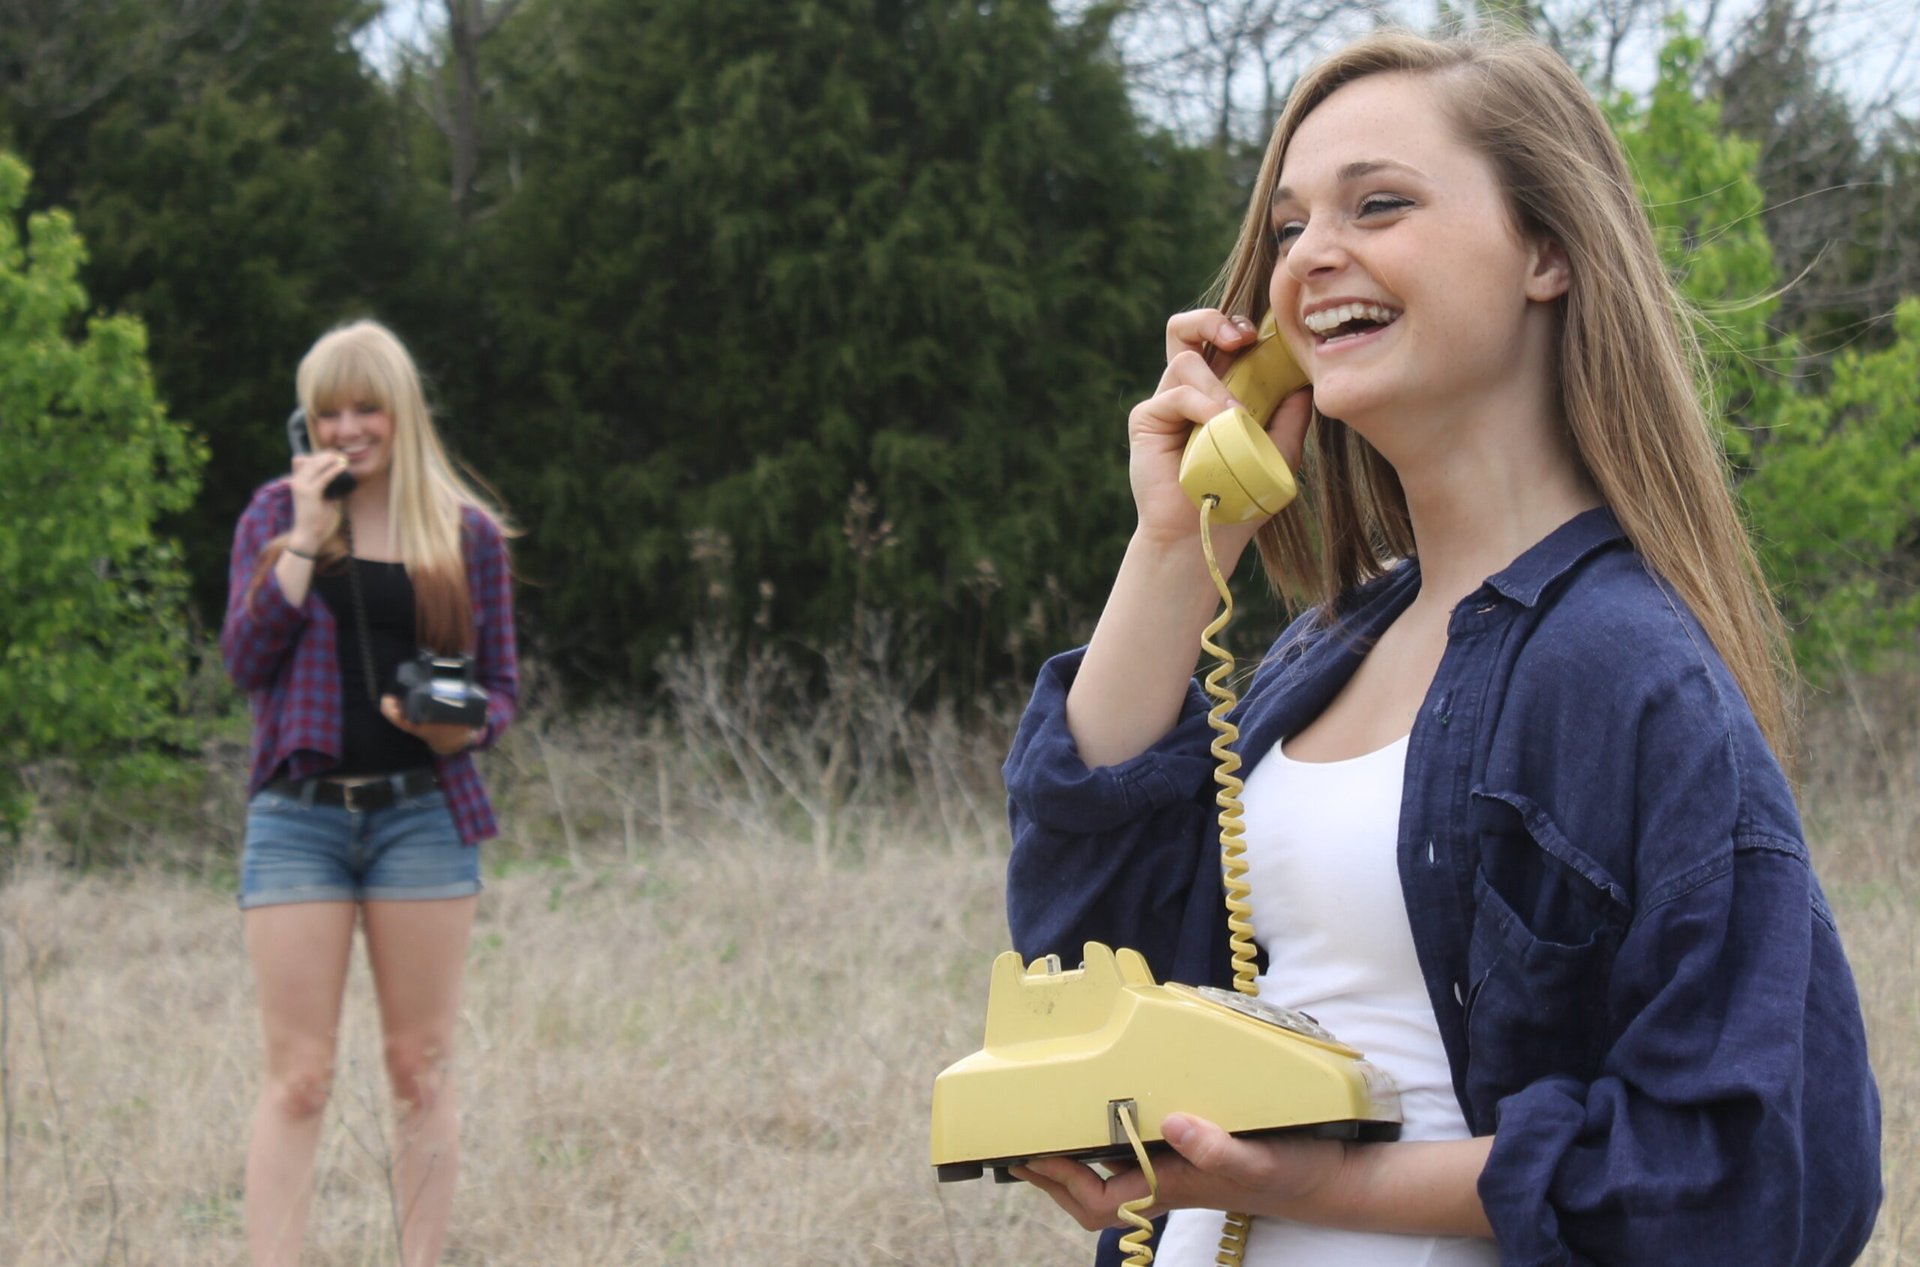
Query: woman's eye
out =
(1376, 204)
(1284, 234)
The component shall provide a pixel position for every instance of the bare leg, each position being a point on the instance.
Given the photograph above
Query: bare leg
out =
(299, 953)
(417, 950)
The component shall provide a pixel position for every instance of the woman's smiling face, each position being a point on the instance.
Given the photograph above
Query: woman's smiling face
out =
(362, 430)
(1402, 281)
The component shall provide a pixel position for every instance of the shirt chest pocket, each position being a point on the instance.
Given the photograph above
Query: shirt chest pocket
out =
(1547, 923)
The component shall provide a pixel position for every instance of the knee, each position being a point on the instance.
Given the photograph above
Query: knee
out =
(417, 1068)
(299, 1095)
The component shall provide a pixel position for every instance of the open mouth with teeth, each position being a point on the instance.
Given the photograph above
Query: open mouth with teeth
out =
(1348, 321)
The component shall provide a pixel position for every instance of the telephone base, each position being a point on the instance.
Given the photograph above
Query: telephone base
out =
(1358, 1132)
(1073, 1056)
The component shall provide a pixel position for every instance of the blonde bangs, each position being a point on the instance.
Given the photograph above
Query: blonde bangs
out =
(339, 372)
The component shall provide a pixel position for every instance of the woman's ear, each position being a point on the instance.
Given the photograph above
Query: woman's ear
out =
(1548, 273)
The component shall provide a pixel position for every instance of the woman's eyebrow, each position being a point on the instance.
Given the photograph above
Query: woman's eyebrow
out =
(1354, 171)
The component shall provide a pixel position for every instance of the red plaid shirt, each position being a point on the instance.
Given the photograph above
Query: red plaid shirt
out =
(287, 660)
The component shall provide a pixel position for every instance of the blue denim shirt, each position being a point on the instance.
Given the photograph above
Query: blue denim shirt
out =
(1633, 969)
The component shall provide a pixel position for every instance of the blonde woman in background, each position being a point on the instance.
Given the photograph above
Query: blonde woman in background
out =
(1516, 816)
(354, 812)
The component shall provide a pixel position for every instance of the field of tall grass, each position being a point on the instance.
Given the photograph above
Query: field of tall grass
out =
(721, 955)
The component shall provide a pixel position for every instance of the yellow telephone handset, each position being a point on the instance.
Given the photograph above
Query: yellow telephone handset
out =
(1231, 458)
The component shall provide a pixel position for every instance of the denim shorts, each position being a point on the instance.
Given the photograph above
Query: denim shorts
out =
(407, 851)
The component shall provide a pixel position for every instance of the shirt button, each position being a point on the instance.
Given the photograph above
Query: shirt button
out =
(1429, 849)
(1458, 997)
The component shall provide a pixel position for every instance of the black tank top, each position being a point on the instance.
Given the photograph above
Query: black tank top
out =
(370, 744)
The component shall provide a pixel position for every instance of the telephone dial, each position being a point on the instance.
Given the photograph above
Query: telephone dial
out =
(1087, 1062)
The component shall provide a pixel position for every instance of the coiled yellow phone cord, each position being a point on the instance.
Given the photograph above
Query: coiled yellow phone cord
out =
(1134, 1243)
(1233, 849)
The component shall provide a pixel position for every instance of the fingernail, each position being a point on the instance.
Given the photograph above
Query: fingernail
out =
(1245, 323)
(1228, 331)
(1176, 1129)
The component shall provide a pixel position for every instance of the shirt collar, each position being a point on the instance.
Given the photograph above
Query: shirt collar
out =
(1526, 577)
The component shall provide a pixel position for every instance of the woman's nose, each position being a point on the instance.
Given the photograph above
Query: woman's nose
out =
(1317, 248)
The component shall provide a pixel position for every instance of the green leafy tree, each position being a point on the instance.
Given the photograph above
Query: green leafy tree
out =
(1699, 187)
(90, 596)
(1835, 503)
(238, 173)
(1826, 473)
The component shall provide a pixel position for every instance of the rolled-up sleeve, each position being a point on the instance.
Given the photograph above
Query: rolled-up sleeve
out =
(1730, 1115)
(496, 653)
(260, 625)
(1735, 1119)
(1661, 1026)
(1110, 853)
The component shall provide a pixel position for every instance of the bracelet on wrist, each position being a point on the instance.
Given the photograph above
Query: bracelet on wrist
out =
(301, 554)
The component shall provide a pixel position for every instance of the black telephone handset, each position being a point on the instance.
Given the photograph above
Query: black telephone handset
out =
(302, 445)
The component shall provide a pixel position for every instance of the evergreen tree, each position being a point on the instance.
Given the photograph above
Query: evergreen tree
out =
(1810, 162)
(814, 306)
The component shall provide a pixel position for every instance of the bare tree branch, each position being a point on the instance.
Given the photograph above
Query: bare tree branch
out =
(1209, 69)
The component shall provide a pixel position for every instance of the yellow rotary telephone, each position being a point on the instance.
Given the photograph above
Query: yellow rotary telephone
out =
(1068, 1052)
(1087, 1062)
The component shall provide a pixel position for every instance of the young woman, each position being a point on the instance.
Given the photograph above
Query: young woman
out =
(355, 812)
(1516, 817)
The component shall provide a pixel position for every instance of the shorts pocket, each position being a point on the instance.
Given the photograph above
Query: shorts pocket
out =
(267, 801)
(432, 798)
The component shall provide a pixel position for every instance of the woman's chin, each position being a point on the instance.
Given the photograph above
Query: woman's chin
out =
(1343, 400)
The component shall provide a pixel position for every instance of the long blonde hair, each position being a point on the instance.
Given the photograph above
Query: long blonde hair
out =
(1628, 363)
(364, 362)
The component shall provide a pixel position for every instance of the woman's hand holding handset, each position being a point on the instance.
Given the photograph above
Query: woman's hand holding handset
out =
(1191, 392)
(315, 519)
(1133, 679)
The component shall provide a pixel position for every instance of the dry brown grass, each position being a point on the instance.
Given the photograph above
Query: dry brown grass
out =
(1862, 802)
(715, 971)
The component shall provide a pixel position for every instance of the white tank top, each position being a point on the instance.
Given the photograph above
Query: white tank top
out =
(1327, 906)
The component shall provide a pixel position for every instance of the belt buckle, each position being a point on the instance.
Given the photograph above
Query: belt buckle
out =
(350, 794)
